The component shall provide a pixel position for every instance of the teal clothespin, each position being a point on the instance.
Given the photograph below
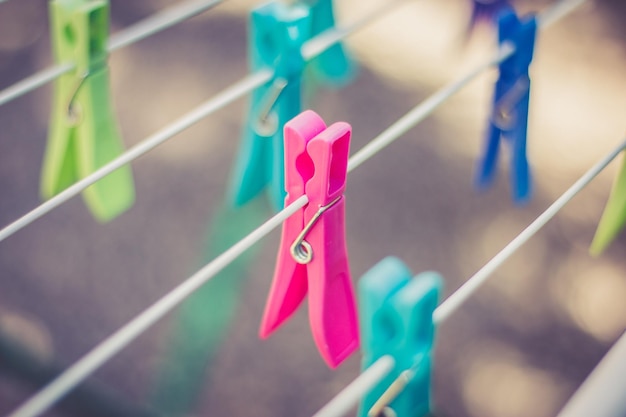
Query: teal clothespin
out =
(277, 32)
(396, 319)
(334, 66)
(83, 133)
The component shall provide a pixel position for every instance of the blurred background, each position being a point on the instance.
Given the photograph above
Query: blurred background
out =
(518, 348)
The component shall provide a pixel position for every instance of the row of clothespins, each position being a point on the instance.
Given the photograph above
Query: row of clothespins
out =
(294, 153)
(84, 135)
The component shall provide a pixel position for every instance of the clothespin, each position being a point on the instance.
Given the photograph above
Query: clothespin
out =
(395, 314)
(312, 255)
(486, 11)
(334, 66)
(277, 32)
(83, 133)
(509, 119)
(614, 216)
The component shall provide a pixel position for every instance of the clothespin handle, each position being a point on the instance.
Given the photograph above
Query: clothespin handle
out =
(83, 133)
(396, 320)
(330, 150)
(313, 255)
(289, 286)
(335, 65)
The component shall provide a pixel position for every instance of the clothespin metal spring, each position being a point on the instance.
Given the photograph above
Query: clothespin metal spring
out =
(381, 407)
(73, 111)
(267, 122)
(301, 250)
(504, 116)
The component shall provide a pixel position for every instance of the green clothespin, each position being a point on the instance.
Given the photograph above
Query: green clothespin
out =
(83, 133)
(614, 216)
(396, 317)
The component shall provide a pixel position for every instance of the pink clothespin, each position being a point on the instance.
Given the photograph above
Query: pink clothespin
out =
(312, 255)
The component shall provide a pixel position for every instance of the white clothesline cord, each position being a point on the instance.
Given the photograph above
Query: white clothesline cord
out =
(326, 39)
(159, 21)
(224, 98)
(33, 82)
(350, 395)
(419, 113)
(100, 354)
(557, 12)
(227, 96)
(452, 303)
(140, 30)
(344, 401)
(603, 394)
(50, 394)
(76, 373)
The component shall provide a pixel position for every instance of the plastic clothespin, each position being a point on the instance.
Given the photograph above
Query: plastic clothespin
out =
(509, 119)
(277, 32)
(312, 255)
(83, 133)
(396, 319)
(334, 66)
(486, 11)
(614, 215)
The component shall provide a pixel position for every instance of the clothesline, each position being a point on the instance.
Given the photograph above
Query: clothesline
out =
(310, 50)
(134, 33)
(605, 382)
(75, 374)
(349, 397)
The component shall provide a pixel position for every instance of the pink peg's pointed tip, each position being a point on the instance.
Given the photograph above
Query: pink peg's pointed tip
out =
(265, 331)
(268, 327)
(333, 360)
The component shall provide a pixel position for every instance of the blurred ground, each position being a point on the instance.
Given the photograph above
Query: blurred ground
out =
(520, 347)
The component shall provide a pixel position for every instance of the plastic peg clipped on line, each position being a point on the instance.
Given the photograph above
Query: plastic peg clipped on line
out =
(509, 117)
(277, 32)
(614, 215)
(486, 11)
(83, 132)
(395, 315)
(312, 256)
(334, 66)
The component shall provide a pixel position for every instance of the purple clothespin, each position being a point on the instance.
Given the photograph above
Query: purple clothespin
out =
(509, 117)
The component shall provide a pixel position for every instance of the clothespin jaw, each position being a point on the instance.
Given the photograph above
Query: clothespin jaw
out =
(509, 119)
(614, 216)
(486, 11)
(83, 132)
(276, 34)
(334, 66)
(312, 256)
(395, 314)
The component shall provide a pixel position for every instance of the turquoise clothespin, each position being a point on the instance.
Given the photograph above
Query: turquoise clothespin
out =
(277, 32)
(83, 133)
(396, 319)
(334, 66)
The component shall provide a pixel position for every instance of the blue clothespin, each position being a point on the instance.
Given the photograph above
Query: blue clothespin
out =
(486, 11)
(276, 34)
(396, 319)
(334, 66)
(509, 119)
